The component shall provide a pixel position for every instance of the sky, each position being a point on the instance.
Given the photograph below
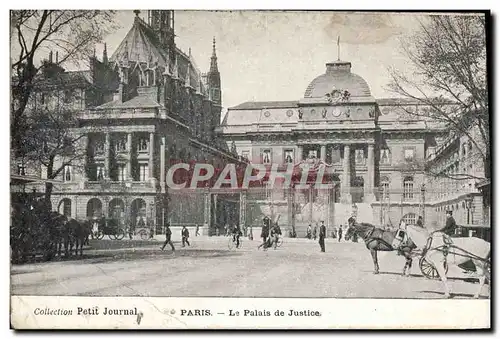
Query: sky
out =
(274, 55)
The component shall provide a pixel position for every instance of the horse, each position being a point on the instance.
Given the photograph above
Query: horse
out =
(439, 251)
(78, 231)
(377, 239)
(55, 224)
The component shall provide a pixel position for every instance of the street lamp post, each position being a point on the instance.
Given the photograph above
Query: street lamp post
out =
(468, 204)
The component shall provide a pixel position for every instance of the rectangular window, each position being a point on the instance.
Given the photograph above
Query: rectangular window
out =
(385, 156)
(143, 172)
(288, 156)
(21, 169)
(245, 155)
(409, 154)
(336, 157)
(121, 144)
(360, 156)
(122, 172)
(143, 145)
(312, 154)
(68, 173)
(99, 147)
(266, 156)
(100, 172)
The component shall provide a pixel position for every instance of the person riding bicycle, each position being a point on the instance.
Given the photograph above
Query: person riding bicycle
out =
(236, 231)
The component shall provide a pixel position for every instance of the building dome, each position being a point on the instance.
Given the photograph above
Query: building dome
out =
(338, 76)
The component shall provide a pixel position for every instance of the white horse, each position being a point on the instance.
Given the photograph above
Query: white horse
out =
(461, 251)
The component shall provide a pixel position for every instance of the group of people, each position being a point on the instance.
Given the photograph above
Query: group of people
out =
(270, 234)
(184, 235)
(312, 233)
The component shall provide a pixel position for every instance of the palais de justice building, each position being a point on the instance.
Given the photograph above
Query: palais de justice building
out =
(373, 150)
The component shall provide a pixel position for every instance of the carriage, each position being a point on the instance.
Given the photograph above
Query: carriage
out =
(430, 272)
(111, 228)
(427, 268)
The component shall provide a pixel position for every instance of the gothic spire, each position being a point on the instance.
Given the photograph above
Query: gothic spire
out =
(213, 60)
(105, 54)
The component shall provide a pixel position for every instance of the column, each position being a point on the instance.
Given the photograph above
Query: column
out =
(346, 177)
(369, 196)
(107, 147)
(323, 152)
(87, 164)
(300, 151)
(207, 211)
(310, 203)
(151, 155)
(290, 206)
(162, 162)
(243, 208)
(129, 151)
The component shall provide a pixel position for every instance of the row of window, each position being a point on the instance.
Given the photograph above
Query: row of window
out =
(119, 175)
(120, 145)
(408, 185)
(359, 155)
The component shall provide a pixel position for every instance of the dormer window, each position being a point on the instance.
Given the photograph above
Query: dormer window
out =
(68, 173)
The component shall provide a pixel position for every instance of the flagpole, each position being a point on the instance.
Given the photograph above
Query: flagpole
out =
(338, 48)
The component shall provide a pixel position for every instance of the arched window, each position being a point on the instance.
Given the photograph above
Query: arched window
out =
(65, 207)
(410, 219)
(408, 188)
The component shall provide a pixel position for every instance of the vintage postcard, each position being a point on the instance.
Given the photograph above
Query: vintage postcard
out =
(179, 169)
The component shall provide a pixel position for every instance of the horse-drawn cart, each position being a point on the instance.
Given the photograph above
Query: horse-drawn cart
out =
(111, 228)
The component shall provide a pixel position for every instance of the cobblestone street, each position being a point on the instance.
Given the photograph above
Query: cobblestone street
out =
(208, 268)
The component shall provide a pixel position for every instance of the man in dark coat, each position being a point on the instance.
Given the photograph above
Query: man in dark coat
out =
(322, 236)
(168, 238)
(420, 222)
(451, 225)
(265, 231)
(185, 236)
(340, 233)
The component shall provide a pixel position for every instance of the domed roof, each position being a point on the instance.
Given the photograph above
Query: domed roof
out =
(337, 76)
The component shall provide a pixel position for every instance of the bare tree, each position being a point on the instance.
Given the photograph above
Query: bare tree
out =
(72, 33)
(449, 81)
(55, 139)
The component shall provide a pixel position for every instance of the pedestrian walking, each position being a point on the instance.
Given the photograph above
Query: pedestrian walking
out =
(322, 236)
(185, 236)
(340, 233)
(315, 231)
(265, 231)
(197, 230)
(168, 238)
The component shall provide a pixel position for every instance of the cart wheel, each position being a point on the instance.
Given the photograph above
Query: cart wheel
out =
(428, 270)
(143, 234)
(100, 235)
(120, 234)
(112, 236)
(231, 244)
(280, 242)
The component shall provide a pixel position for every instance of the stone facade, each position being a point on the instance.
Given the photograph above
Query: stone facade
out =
(374, 150)
(139, 111)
